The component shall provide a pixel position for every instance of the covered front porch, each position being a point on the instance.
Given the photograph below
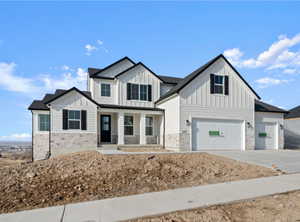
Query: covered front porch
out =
(121, 127)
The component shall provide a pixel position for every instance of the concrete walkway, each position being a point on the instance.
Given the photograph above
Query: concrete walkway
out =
(122, 208)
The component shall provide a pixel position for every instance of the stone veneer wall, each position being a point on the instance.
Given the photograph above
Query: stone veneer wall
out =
(40, 146)
(62, 143)
(132, 139)
(250, 138)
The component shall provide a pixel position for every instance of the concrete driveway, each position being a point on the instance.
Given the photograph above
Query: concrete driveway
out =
(285, 160)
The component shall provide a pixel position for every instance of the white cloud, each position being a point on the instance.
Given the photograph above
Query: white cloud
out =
(277, 56)
(11, 82)
(89, 49)
(290, 71)
(16, 136)
(100, 42)
(65, 67)
(66, 80)
(267, 81)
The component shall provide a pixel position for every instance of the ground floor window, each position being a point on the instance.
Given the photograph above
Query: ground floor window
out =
(149, 126)
(74, 119)
(44, 122)
(128, 125)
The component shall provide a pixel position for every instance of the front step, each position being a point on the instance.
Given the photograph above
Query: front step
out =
(139, 146)
(108, 147)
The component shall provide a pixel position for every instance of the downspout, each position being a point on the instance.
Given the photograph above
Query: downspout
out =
(31, 136)
(50, 126)
(164, 146)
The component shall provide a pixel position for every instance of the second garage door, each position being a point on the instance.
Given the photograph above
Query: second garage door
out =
(211, 134)
(265, 136)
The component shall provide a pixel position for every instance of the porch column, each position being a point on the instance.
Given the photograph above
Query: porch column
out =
(120, 128)
(142, 129)
(161, 130)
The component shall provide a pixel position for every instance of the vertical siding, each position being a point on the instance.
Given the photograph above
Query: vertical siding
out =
(117, 68)
(196, 99)
(138, 75)
(104, 99)
(73, 100)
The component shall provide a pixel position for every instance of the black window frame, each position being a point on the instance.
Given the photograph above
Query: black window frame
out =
(44, 123)
(143, 92)
(149, 128)
(135, 91)
(218, 85)
(105, 89)
(128, 128)
(71, 121)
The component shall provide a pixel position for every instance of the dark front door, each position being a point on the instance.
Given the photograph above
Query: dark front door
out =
(105, 128)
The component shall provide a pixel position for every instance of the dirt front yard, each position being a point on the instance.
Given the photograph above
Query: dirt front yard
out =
(277, 208)
(90, 175)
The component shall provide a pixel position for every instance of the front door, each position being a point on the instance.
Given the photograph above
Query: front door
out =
(105, 127)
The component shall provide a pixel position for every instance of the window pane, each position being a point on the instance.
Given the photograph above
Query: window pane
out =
(218, 79)
(134, 91)
(149, 131)
(219, 89)
(128, 130)
(105, 89)
(74, 114)
(149, 121)
(128, 121)
(74, 124)
(143, 92)
(44, 122)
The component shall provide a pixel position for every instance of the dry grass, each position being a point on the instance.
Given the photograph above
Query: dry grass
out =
(282, 207)
(90, 175)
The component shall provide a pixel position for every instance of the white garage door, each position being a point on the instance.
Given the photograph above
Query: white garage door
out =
(265, 136)
(209, 134)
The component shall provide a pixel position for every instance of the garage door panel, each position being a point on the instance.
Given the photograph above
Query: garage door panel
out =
(209, 134)
(265, 135)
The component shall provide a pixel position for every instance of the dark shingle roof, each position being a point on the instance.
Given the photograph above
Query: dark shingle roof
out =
(92, 71)
(111, 106)
(41, 104)
(264, 107)
(170, 79)
(198, 71)
(293, 113)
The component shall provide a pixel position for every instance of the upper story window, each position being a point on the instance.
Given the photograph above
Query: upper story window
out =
(105, 89)
(219, 84)
(139, 92)
(44, 122)
(74, 119)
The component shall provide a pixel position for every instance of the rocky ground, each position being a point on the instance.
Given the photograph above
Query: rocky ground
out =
(90, 175)
(277, 208)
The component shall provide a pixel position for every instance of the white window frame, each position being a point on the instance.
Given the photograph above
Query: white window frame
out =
(218, 84)
(39, 122)
(149, 126)
(104, 85)
(69, 119)
(129, 125)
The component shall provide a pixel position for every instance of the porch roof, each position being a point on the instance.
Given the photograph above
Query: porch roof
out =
(111, 106)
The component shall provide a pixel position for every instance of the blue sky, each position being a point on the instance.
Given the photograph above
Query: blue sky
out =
(44, 46)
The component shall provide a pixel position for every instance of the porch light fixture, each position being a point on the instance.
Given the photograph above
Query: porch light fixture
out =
(188, 122)
(281, 126)
(249, 125)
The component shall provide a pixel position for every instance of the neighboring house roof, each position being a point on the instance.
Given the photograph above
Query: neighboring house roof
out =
(293, 113)
(170, 79)
(197, 72)
(95, 73)
(264, 107)
(132, 67)
(38, 105)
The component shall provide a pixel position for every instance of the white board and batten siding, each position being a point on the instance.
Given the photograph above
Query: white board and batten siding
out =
(73, 101)
(117, 68)
(269, 124)
(138, 75)
(112, 99)
(196, 101)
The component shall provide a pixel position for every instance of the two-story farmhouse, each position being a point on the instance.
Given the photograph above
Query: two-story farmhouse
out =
(127, 103)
